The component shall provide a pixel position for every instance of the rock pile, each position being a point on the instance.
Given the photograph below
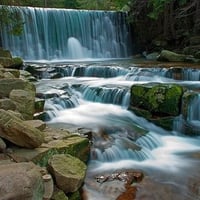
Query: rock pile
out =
(33, 156)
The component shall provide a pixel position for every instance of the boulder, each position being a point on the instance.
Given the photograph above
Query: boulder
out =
(7, 104)
(17, 132)
(76, 146)
(24, 101)
(6, 62)
(170, 56)
(59, 195)
(39, 105)
(39, 124)
(5, 53)
(21, 181)
(158, 99)
(7, 85)
(2, 145)
(68, 171)
(14, 72)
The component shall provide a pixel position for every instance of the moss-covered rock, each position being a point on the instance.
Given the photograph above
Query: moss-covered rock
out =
(158, 103)
(68, 172)
(158, 99)
(170, 56)
(59, 195)
(76, 146)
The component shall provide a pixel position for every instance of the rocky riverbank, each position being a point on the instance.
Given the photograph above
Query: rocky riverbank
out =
(36, 162)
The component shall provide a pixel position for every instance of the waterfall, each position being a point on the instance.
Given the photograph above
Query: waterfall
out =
(61, 34)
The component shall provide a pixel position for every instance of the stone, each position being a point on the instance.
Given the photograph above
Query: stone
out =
(39, 105)
(8, 75)
(170, 56)
(21, 181)
(14, 72)
(7, 85)
(5, 53)
(27, 76)
(48, 186)
(159, 99)
(19, 133)
(39, 124)
(68, 171)
(24, 101)
(59, 195)
(17, 63)
(76, 146)
(2, 145)
(6, 62)
(7, 104)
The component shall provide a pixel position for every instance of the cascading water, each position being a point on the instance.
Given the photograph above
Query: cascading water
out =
(122, 140)
(96, 96)
(60, 34)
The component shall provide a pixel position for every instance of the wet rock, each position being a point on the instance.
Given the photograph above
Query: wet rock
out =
(27, 76)
(159, 99)
(125, 176)
(21, 181)
(19, 133)
(68, 171)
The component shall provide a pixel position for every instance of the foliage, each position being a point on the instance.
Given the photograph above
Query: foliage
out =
(12, 19)
(102, 4)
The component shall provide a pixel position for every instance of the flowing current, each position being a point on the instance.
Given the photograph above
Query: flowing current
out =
(96, 96)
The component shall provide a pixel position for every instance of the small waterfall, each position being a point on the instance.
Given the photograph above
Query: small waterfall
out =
(61, 34)
(107, 95)
(194, 109)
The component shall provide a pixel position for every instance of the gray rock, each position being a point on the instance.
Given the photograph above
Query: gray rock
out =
(21, 181)
(17, 132)
(24, 101)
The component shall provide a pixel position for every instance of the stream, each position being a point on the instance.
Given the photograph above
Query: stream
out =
(95, 96)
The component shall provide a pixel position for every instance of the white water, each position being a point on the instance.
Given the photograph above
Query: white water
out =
(168, 158)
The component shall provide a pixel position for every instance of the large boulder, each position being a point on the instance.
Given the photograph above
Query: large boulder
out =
(24, 101)
(16, 131)
(21, 181)
(170, 56)
(68, 171)
(159, 99)
(158, 103)
(7, 85)
(75, 146)
(7, 104)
